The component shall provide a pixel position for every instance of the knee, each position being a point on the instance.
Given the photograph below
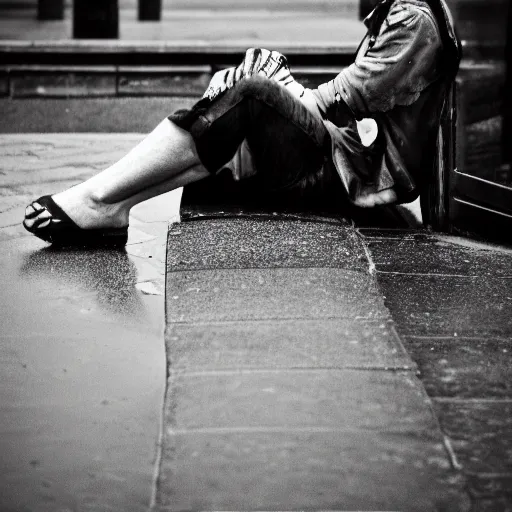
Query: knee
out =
(256, 87)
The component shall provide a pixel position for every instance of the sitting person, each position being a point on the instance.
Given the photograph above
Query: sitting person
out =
(368, 136)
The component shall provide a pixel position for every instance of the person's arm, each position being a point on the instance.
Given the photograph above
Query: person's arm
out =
(309, 101)
(391, 72)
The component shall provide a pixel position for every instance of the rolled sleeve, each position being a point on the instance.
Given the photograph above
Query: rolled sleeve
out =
(394, 70)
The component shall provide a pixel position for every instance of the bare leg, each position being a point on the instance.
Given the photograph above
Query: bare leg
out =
(166, 159)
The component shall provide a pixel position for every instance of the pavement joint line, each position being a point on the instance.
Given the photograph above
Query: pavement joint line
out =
(278, 319)
(11, 225)
(383, 320)
(286, 369)
(484, 474)
(436, 274)
(159, 449)
(456, 338)
(277, 429)
(207, 269)
(371, 264)
(181, 370)
(461, 400)
(386, 238)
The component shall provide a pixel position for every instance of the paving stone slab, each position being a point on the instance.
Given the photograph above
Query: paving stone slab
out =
(263, 243)
(284, 437)
(429, 255)
(486, 486)
(275, 293)
(329, 343)
(294, 470)
(497, 504)
(449, 306)
(464, 367)
(340, 400)
(481, 433)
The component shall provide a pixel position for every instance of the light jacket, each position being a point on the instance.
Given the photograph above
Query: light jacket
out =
(399, 79)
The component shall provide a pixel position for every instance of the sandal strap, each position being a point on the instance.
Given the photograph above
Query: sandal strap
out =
(59, 229)
(55, 210)
(49, 220)
(57, 216)
(35, 212)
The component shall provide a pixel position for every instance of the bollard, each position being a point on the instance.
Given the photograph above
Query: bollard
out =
(150, 10)
(50, 10)
(96, 19)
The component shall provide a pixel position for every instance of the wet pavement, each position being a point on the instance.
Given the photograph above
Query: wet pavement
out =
(83, 362)
(308, 400)
(288, 386)
(451, 299)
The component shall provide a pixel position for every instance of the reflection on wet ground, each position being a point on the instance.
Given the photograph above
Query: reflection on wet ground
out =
(82, 357)
(105, 276)
(83, 367)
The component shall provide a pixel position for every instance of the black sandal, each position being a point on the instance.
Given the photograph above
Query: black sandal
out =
(60, 230)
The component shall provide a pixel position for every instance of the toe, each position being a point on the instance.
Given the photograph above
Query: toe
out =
(32, 210)
(38, 220)
(43, 223)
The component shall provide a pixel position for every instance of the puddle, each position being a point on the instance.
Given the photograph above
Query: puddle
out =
(83, 364)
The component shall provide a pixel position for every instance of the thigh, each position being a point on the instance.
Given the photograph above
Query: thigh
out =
(287, 142)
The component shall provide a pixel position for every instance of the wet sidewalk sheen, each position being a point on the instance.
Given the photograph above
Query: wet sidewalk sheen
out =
(287, 386)
(81, 343)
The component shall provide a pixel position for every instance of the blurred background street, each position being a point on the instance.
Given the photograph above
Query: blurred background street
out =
(199, 20)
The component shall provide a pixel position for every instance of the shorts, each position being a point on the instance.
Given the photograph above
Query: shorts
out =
(290, 147)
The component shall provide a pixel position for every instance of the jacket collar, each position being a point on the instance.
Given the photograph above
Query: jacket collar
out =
(441, 13)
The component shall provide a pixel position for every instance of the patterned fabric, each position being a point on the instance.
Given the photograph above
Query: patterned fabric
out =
(257, 61)
(261, 62)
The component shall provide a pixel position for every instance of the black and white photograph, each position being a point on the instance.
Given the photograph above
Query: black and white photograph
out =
(256, 255)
